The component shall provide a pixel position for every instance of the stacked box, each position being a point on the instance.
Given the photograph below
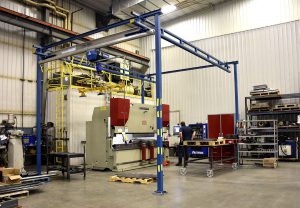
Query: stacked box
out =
(10, 175)
(270, 162)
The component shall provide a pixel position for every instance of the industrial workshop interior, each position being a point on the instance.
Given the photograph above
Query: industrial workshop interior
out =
(149, 103)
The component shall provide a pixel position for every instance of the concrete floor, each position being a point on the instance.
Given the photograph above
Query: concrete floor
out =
(243, 188)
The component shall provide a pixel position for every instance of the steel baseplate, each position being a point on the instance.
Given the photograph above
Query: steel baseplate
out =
(158, 193)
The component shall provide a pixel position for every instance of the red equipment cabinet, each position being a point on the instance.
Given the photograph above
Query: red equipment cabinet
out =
(222, 125)
(165, 115)
(119, 111)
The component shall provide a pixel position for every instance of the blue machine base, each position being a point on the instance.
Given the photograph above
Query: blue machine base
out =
(294, 148)
(198, 152)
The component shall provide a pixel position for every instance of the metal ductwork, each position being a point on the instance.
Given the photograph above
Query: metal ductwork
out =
(98, 43)
(123, 8)
(119, 5)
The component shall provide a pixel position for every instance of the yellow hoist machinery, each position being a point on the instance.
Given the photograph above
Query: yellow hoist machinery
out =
(81, 74)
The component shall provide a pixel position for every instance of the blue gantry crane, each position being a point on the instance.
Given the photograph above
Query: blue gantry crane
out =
(143, 27)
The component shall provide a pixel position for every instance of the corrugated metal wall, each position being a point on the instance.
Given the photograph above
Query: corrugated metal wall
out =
(11, 59)
(268, 55)
(234, 16)
(235, 30)
(84, 20)
(14, 59)
(229, 17)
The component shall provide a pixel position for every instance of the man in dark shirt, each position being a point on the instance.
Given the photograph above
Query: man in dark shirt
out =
(185, 133)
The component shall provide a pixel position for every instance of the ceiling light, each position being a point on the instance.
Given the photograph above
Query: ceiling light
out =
(168, 9)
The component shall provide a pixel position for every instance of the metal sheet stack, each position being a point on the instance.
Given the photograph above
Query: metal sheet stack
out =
(262, 90)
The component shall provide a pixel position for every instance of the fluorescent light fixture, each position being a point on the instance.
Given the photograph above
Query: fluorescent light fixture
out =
(168, 9)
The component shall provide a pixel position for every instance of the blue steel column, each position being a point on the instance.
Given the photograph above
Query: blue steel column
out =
(236, 94)
(160, 184)
(38, 117)
(143, 91)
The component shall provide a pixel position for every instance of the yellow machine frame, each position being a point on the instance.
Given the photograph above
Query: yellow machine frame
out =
(63, 73)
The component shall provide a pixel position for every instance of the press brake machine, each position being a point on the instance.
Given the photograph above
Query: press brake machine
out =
(122, 136)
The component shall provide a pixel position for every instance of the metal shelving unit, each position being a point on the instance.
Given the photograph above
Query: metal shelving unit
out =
(288, 135)
(256, 144)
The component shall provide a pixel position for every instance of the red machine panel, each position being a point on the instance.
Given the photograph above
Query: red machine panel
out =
(119, 111)
(165, 115)
(220, 124)
(227, 123)
(214, 127)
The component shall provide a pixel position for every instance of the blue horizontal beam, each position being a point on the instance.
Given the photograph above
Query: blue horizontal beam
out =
(100, 68)
(97, 30)
(220, 64)
(176, 40)
(182, 41)
(192, 68)
(185, 45)
(126, 70)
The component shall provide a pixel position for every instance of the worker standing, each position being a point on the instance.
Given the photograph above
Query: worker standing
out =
(185, 133)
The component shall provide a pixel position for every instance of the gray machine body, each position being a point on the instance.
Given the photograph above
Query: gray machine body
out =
(102, 137)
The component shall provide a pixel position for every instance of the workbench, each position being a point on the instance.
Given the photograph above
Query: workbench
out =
(215, 162)
(65, 164)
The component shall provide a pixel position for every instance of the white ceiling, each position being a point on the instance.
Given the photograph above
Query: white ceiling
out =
(123, 8)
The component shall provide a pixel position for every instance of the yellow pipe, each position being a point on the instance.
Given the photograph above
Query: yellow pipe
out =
(50, 2)
(54, 8)
(57, 7)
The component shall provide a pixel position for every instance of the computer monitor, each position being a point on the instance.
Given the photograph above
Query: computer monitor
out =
(176, 130)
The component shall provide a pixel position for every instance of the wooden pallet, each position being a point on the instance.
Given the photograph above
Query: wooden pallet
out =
(115, 178)
(286, 105)
(203, 143)
(18, 194)
(287, 109)
(259, 109)
(264, 93)
(289, 127)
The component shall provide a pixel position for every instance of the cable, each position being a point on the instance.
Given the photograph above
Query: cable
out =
(23, 77)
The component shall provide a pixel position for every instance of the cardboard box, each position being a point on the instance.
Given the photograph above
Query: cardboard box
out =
(270, 162)
(10, 175)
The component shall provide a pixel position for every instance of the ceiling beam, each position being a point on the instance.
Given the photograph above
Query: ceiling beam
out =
(33, 24)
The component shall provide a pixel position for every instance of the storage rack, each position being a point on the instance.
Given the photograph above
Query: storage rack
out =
(258, 140)
(288, 134)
